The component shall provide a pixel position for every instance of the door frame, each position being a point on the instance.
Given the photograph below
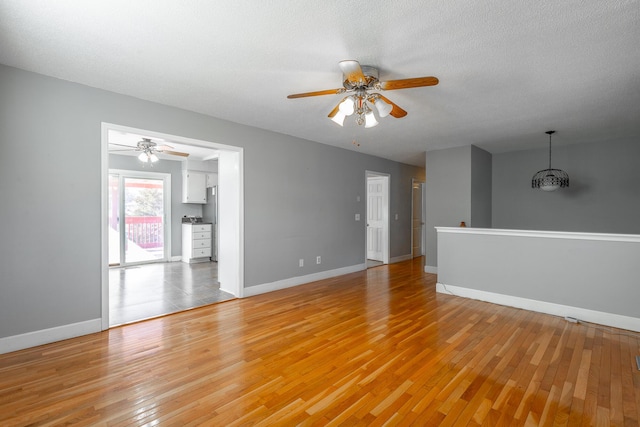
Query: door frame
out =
(421, 186)
(230, 175)
(386, 185)
(166, 202)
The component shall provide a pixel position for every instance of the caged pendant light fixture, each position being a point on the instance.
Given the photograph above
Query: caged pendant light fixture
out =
(550, 179)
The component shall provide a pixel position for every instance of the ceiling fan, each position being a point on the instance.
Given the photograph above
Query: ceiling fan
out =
(148, 150)
(361, 81)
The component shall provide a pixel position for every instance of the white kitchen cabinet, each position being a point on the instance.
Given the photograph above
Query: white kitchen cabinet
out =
(194, 188)
(196, 242)
(212, 180)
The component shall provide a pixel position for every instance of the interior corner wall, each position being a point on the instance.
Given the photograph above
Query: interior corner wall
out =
(300, 197)
(602, 197)
(447, 194)
(481, 191)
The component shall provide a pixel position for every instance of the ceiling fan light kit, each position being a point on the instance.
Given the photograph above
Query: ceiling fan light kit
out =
(148, 157)
(550, 179)
(148, 150)
(362, 81)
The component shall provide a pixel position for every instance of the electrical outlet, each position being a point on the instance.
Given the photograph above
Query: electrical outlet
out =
(301, 263)
(396, 217)
(357, 217)
(318, 260)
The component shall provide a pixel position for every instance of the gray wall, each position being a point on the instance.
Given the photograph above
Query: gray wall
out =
(603, 196)
(300, 197)
(178, 209)
(481, 191)
(447, 194)
(309, 195)
(457, 188)
(565, 271)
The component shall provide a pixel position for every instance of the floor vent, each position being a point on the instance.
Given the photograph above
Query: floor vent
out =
(638, 362)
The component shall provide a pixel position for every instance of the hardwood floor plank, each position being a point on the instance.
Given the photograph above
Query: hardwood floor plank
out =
(631, 407)
(377, 347)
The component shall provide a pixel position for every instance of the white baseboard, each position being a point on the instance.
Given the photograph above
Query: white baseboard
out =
(176, 258)
(430, 269)
(591, 316)
(400, 258)
(46, 336)
(300, 280)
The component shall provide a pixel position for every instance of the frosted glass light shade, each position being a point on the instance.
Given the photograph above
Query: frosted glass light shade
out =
(383, 108)
(153, 158)
(370, 120)
(143, 157)
(550, 187)
(339, 118)
(347, 107)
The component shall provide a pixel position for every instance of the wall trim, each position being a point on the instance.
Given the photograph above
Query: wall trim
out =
(301, 280)
(546, 234)
(46, 336)
(591, 316)
(400, 258)
(430, 269)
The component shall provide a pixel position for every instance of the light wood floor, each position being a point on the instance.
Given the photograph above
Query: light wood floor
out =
(369, 348)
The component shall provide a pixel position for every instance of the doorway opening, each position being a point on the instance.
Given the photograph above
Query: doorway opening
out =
(230, 188)
(417, 218)
(377, 240)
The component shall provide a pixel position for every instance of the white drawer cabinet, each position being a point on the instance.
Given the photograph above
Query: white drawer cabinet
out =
(196, 242)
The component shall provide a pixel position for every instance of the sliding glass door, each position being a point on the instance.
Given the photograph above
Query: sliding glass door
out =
(138, 209)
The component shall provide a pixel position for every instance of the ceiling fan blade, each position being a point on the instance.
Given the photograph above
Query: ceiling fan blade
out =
(352, 71)
(396, 111)
(408, 83)
(335, 110)
(165, 147)
(174, 153)
(318, 93)
(122, 145)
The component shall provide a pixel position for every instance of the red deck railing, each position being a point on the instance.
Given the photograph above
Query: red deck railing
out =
(145, 231)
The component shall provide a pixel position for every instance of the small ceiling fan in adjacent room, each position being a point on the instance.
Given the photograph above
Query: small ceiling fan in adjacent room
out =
(361, 82)
(148, 150)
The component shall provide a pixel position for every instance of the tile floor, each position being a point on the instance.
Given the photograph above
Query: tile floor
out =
(151, 290)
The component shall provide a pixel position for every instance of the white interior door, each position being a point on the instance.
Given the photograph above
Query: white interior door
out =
(376, 220)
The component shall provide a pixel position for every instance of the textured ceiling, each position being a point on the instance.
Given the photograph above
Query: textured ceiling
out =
(509, 70)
